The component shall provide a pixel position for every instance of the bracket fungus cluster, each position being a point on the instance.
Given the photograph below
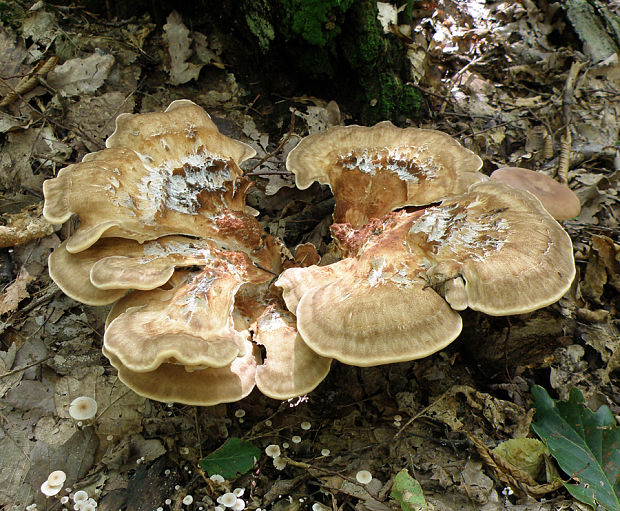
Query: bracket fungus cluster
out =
(165, 233)
(406, 271)
(166, 236)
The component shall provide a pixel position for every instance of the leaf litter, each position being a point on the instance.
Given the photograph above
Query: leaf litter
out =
(497, 78)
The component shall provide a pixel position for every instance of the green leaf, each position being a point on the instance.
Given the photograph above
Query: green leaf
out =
(408, 492)
(234, 458)
(526, 454)
(585, 444)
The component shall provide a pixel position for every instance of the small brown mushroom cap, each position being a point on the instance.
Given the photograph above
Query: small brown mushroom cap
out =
(374, 170)
(558, 199)
(189, 325)
(291, 368)
(201, 387)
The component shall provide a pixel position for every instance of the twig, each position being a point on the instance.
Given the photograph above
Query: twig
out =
(30, 81)
(458, 74)
(568, 99)
(422, 412)
(13, 371)
(277, 149)
(197, 431)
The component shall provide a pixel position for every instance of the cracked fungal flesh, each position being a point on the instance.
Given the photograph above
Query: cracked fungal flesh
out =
(190, 324)
(374, 170)
(493, 249)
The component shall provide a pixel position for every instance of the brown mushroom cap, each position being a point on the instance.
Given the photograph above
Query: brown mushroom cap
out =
(189, 325)
(202, 387)
(513, 256)
(493, 249)
(176, 175)
(558, 199)
(374, 170)
(291, 368)
(100, 275)
(372, 309)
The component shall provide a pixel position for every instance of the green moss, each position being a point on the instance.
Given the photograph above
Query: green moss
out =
(8, 16)
(339, 43)
(262, 29)
(387, 97)
(318, 22)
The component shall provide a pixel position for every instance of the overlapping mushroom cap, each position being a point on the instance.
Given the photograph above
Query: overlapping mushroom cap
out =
(557, 198)
(104, 272)
(157, 355)
(374, 170)
(162, 173)
(493, 249)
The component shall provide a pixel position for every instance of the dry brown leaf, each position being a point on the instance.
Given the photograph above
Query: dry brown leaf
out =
(15, 292)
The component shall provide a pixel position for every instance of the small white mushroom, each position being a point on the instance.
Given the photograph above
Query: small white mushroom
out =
(80, 496)
(363, 477)
(56, 478)
(228, 499)
(48, 490)
(83, 408)
(272, 450)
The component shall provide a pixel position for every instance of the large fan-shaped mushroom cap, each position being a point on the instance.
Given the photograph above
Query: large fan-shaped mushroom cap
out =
(163, 173)
(512, 255)
(493, 249)
(291, 368)
(374, 170)
(201, 387)
(102, 273)
(189, 325)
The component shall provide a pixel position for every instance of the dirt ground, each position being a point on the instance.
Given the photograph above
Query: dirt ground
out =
(511, 81)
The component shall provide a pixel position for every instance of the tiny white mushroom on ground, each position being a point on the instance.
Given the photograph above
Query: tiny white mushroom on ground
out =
(363, 477)
(296, 439)
(306, 425)
(325, 452)
(228, 499)
(272, 450)
(279, 463)
(188, 499)
(48, 490)
(217, 478)
(83, 408)
(56, 478)
(240, 413)
(239, 505)
(80, 496)
(239, 492)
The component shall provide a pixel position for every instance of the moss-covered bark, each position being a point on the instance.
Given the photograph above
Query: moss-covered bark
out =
(333, 48)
